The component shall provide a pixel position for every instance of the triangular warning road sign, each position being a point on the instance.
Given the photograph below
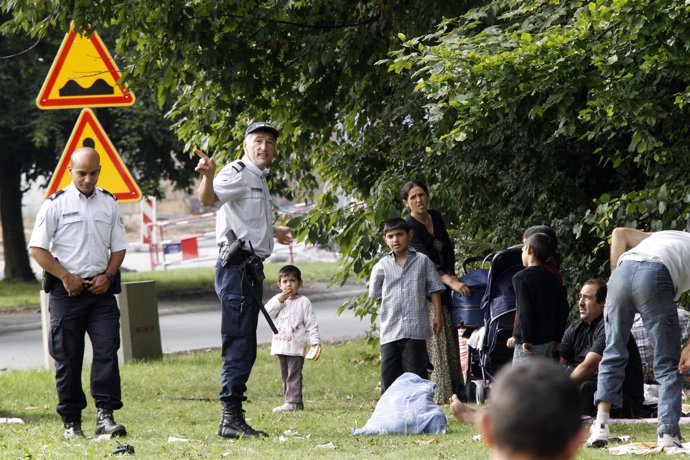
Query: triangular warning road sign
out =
(114, 177)
(83, 75)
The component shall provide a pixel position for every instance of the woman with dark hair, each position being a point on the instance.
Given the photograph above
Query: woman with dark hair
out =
(431, 238)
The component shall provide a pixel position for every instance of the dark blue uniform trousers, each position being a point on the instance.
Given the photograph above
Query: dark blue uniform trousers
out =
(239, 316)
(70, 319)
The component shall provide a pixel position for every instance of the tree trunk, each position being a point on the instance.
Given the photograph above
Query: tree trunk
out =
(17, 266)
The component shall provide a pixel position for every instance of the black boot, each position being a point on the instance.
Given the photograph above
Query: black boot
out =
(233, 425)
(73, 430)
(105, 424)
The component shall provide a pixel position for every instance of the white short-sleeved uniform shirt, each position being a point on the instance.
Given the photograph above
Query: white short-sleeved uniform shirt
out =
(80, 231)
(244, 205)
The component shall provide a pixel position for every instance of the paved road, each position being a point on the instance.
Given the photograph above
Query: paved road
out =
(185, 331)
(138, 258)
(21, 347)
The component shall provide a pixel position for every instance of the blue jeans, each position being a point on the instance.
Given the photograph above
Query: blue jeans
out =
(239, 317)
(645, 288)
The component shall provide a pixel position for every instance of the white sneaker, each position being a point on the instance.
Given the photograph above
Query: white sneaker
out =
(666, 441)
(598, 435)
(287, 407)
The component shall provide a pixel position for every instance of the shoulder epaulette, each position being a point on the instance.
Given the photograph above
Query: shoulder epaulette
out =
(240, 164)
(56, 194)
(108, 193)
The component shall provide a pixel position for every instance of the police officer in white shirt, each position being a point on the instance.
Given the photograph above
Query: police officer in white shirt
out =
(79, 240)
(245, 207)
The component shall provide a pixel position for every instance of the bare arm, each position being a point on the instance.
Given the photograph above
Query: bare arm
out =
(282, 234)
(684, 364)
(438, 315)
(74, 285)
(622, 239)
(207, 168)
(586, 368)
(454, 283)
(116, 259)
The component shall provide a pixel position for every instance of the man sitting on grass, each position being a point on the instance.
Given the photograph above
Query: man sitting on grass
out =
(582, 347)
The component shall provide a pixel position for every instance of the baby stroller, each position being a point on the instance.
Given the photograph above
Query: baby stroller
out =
(487, 349)
(467, 311)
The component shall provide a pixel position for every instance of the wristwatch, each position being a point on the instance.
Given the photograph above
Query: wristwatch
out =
(110, 276)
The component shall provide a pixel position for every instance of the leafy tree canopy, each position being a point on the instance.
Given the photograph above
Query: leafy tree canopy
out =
(33, 140)
(309, 66)
(516, 113)
(564, 112)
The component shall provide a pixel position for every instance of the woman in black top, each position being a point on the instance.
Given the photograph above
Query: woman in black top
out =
(431, 238)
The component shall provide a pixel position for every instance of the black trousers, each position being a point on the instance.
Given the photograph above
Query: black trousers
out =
(70, 319)
(400, 356)
(630, 409)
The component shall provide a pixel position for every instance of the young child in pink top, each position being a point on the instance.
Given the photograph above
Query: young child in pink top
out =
(297, 327)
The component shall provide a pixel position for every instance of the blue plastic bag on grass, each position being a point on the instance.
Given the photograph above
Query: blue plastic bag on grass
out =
(407, 407)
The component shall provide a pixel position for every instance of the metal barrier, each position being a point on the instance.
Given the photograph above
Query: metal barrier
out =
(192, 248)
(196, 247)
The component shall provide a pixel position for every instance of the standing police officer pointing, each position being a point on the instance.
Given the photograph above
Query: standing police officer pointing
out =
(79, 238)
(245, 208)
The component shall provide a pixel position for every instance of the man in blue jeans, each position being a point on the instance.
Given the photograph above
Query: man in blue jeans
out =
(645, 279)
(245, 212)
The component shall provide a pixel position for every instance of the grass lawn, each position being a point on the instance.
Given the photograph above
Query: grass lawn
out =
(14, 295)
(175, 397)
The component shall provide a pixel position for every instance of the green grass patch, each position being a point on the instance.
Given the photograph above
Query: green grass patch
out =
(176, 397)
(177, 280)
(19, 295)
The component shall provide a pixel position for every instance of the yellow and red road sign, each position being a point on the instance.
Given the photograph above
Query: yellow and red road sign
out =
(114, 177)
(83, 75)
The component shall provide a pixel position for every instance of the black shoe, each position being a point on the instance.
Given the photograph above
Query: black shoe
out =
(233, 425)
(73, 430)
(105, 424)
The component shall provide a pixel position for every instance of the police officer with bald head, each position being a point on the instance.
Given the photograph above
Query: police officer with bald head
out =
(79, 240)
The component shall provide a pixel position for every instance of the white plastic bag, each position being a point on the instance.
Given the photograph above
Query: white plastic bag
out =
(407, 407)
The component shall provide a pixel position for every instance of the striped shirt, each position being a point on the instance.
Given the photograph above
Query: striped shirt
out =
(639, 332)
(403, 292)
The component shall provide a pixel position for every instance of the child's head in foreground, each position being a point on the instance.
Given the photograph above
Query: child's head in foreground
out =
(533, 412)
(290, 277)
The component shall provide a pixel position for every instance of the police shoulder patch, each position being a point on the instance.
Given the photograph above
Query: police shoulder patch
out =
(238, 166)
(108, 193)
(56, 194)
